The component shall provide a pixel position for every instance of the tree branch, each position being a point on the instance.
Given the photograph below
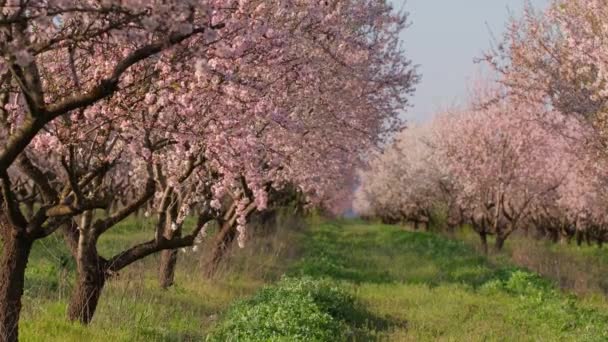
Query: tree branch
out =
(32, 125)
(142, 250)
(101, 226)
(38, 177)
(15, 216)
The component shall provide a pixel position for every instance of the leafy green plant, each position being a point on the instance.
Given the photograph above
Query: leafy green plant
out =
(519, 282)
(296, 309)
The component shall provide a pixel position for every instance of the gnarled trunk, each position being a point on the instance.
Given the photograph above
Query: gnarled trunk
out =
(168, 258)
(13, 262)
(86, 294)
(225, 237)
(220, 246)
(90, 279)
(166, 272)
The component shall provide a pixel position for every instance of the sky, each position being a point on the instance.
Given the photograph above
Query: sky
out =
(444, 39)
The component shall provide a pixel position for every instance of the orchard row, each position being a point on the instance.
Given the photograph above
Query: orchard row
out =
(528, 151)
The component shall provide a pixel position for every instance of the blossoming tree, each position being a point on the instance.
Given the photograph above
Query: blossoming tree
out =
(496, 165)
(191, 104)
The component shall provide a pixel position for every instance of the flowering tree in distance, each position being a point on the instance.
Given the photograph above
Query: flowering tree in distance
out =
(556, 58)
(497, 165)
(403, 182)
(534, 153)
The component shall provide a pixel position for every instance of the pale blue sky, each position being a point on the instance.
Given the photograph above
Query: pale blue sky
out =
(444, 39)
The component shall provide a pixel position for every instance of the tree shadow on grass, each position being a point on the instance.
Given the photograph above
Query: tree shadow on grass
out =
(369, 327)
(154, 334)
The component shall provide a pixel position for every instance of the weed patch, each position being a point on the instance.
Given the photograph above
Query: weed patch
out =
(296, 309)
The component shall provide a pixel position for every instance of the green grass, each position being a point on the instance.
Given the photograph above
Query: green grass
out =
(404, 286)
(132, 307)
(578, 269)
(432, 288)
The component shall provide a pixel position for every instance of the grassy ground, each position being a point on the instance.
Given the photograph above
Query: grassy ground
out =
(431, 288)
(133, 308)
(414, 287)
(577, 269)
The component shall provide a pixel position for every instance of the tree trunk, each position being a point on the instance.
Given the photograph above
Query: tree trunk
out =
(579, 238)
(168, 257)
(13, 261)
(86, 294)
(451, 230)
(90, 279)
(224, 239)
(500, 242)
(540, 232)
(553, 234)
(220, 247)
(166, 272)
(484, 242)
